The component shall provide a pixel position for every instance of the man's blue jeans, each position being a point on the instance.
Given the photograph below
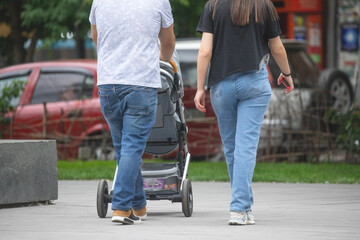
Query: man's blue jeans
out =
(130, 112)
(240, 102)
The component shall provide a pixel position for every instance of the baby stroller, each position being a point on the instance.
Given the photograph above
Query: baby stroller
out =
(163, 181)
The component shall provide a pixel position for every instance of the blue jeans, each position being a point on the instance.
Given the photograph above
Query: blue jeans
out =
(130, 112)
(240, 101)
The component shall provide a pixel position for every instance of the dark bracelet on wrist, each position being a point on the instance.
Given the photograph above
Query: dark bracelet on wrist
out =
(286, 75)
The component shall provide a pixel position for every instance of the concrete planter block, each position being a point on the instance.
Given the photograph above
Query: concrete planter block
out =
(28, 171)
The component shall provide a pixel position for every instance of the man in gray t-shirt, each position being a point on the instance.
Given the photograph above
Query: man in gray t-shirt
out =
(127, 34)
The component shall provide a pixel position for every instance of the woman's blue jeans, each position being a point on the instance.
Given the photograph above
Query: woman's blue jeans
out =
(130, 112)
(240, 101)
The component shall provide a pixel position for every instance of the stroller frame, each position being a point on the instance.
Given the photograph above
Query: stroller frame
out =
(181, 189)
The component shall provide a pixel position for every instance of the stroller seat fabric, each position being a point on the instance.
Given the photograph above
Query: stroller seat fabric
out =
(164, 134)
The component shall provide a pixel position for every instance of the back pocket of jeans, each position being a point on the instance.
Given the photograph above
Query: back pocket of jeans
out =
(138, 102)
(257, 83)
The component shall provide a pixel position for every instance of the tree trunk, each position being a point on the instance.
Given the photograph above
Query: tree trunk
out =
(80, 44)
(32, 47)
(16, 31)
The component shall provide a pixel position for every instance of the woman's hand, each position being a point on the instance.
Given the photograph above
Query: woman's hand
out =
(200, 100)
(288, 82)
(203, 61)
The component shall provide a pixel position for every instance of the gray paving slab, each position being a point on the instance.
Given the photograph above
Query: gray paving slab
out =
(282, 211)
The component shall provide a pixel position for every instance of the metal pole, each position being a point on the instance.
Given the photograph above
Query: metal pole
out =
(44, 120)
(332, 26)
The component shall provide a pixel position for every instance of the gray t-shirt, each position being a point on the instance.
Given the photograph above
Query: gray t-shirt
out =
(127, 44)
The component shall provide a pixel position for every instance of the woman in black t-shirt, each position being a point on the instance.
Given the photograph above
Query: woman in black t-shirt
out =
(236, 38)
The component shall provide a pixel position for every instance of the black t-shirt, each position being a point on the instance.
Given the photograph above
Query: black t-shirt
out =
(235, 48)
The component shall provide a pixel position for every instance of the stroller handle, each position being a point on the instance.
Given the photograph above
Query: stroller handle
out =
(173, 65)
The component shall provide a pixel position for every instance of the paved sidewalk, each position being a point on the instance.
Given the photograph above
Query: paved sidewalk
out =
(282, 211)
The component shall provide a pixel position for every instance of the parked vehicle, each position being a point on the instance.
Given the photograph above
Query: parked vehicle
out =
(288, 117)
(202, 126)
(298, 122)
(60, 101)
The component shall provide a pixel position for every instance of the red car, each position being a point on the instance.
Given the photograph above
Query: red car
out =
(60, 101)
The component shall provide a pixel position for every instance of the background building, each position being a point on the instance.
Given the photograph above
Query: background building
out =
(347, 37)
(330, 27)
(303, 20)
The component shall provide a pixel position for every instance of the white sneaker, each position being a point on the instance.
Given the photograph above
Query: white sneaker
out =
(250, 220)
(237, 218)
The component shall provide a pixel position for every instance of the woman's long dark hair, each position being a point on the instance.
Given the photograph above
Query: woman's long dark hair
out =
(241, 10)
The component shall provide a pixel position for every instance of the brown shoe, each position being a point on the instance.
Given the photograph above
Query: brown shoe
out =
(125, 217)
(140, 213)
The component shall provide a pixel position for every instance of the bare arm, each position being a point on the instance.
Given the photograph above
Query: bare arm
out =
(203, 61)
(167, 43)
(278, 51)
(94, 34)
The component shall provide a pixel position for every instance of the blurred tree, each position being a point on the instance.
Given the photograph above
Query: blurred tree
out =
(31, 20)
(186, 15)
(6, 50)
(51, 18)
(10, 14)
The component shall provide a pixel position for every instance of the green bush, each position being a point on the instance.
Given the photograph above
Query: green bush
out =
(349, 132)
(8, 93)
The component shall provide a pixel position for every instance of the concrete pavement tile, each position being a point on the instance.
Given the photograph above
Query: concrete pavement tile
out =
(282, 211)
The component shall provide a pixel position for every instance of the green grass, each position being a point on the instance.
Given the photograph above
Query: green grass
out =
(80, 170)
(307, 173)
(217, 171)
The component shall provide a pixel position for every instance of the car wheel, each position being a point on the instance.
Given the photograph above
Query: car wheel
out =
(101, 147)
(339, 92)
(106, 152)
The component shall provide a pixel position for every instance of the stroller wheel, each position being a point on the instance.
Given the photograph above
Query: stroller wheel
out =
(187, 198)
(101, 203)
